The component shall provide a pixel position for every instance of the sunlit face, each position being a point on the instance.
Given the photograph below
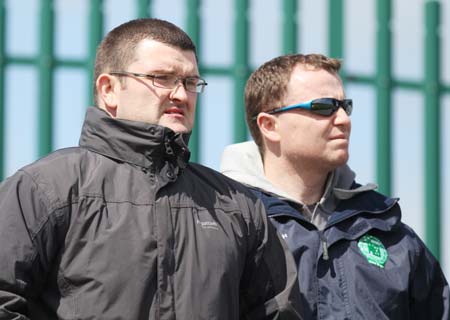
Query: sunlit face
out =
(319, 141)
(138, 99)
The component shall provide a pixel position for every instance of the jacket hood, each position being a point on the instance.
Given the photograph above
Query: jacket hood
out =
(139, 143)
(242, 162)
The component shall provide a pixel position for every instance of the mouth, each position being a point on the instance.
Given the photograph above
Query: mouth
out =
(174, 111)
(340, 137)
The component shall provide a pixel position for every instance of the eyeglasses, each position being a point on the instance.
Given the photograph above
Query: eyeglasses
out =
(323, 106)
(168, 81)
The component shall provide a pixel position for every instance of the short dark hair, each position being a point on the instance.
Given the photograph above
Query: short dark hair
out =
(267, 86)
(117, 49)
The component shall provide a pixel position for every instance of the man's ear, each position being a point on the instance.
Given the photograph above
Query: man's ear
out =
(107, 89)
(268, 126)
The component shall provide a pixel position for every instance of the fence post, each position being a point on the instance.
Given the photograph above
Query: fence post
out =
(193, 29)
(241, 69)
(94, 38)
(432, 127)
(2, 88)
(336, 28)
(46, 66)
(143, 9)
(383, 93)
(290, 26)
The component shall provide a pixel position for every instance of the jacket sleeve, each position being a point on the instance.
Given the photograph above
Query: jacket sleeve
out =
(271, 288)
(25, 244)
(430, 295)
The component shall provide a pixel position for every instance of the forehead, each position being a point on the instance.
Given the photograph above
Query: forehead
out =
(307, 83)
(154, 56)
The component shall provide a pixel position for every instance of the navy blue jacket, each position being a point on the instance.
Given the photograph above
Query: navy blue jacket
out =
(339, 280)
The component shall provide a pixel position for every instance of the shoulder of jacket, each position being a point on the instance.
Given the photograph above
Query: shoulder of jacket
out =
(60, 157)
(231, 192)
(219, 180)
(50, 173)
(371, 201)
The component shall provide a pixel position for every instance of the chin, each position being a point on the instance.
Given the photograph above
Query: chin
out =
(179, 128)
(342, 160)
(177, 125)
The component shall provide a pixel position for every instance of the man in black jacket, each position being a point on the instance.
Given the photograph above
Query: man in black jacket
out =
(123, 227)
(355, 257)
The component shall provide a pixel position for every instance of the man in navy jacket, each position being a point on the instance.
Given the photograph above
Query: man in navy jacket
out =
(355, 257)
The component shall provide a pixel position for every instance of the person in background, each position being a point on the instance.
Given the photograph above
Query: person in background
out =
(356, 259)
(123, 226)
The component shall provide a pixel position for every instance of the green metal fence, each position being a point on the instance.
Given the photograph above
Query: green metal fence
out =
(382, 81)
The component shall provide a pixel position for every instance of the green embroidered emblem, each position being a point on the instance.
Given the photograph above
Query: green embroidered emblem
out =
(374, 251)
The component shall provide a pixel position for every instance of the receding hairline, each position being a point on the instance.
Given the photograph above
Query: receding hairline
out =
(311, 67)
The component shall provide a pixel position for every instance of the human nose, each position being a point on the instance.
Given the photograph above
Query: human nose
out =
(179, 92)
(341, 117)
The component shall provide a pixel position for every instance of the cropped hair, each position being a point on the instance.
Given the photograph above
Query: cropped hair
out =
(117, 50)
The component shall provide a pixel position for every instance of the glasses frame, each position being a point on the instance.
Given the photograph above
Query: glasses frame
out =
(200, 85)
(332, 105)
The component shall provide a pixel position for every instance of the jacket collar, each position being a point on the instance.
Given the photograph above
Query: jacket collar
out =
(138, 143)
(242, 162)
(369, 209)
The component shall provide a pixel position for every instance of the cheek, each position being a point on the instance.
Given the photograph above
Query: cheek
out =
(193, 101)
(305, 131)
(192, 104)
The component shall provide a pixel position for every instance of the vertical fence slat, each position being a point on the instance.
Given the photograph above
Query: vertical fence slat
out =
(193, 29)
(241, 68)
(432, 127)
(95, 35)
(336, 28)
(2, 87)
(290, 26)
(143, 8)
(383, 93)
(46, 65)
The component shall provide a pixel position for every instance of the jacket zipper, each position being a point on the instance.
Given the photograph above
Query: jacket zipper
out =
(323, 241)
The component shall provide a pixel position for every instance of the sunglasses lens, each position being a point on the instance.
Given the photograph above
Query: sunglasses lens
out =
(323, 108)
(348, 106)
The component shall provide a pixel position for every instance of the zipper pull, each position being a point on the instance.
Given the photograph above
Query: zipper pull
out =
(325, 249)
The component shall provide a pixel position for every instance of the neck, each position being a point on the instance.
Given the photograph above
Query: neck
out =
(302, 182)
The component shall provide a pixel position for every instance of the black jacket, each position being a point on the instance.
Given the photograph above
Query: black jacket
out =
(123, 227)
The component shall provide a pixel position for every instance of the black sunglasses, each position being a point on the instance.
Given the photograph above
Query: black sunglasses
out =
(322, 106)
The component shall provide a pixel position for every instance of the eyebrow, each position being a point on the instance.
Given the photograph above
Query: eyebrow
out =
(172, 72)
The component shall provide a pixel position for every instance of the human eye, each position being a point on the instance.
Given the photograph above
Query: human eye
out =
(194, 84)
(165, 80)
(192, 81)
